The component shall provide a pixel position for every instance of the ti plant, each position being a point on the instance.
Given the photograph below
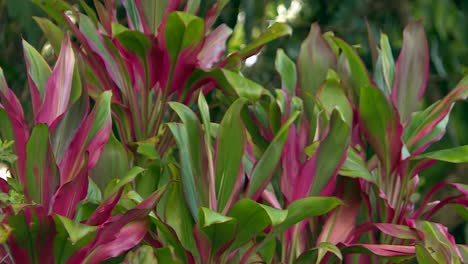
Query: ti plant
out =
(128, 159)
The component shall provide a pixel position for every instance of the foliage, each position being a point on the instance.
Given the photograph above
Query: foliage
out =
(148, 144)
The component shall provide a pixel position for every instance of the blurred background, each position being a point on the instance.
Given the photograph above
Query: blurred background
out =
(446, 24)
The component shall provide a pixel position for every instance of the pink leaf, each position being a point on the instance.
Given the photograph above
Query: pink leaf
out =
(214, 47)
(70, 194)
(58, 86)
(103, 212)
(412, 70)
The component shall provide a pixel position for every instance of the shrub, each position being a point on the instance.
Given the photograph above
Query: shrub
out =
(321, 170)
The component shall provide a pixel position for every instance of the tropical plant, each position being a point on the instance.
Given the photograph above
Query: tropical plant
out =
(182, 159)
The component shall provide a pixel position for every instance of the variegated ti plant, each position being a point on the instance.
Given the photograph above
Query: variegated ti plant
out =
(50, 177)
(386, 150)
(319, 171)
(160, 51)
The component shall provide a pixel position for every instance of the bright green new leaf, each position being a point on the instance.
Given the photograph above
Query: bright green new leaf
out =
(454, 155)
(305, 208)
(219, 229)
(287, 70)
(275, 31)
(252, 218)
(75, 230)
(355, 167)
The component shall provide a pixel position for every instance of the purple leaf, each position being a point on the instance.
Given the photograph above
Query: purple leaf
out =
(58, 86)
(412, 70)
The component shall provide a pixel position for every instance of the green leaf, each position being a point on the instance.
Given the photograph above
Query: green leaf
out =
(133, 14)
(116, 184)
(331, 96)
(437, 243)
(55, 9)
(190, 140)
(381, 125)
(253, 218)
(385, 70)
(182, 31)
(269, 160)
(330, 152)
(39, 70)
(287, 70)
(355, 167)
(103, 114)
(454, 155)
(461, 210)
(193, 6)
(233, 83)
(358, 77)
(148, 150)
(112, 164)
(177, 214)
(187, 170)
(142, 255)
(42, 176)
(219, 229)
(136, 42)
(305, 208)
(230, 150)
(275, 31)
(52, 32)
(166, 255)
(326, 247)
(153, 12)
(423, 255)
(75, 230)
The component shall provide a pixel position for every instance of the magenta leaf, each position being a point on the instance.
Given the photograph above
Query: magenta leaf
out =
(214, 47)
(68, 196)
(412, 70)
(91, 137)
(58, 86)
(14, 126)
